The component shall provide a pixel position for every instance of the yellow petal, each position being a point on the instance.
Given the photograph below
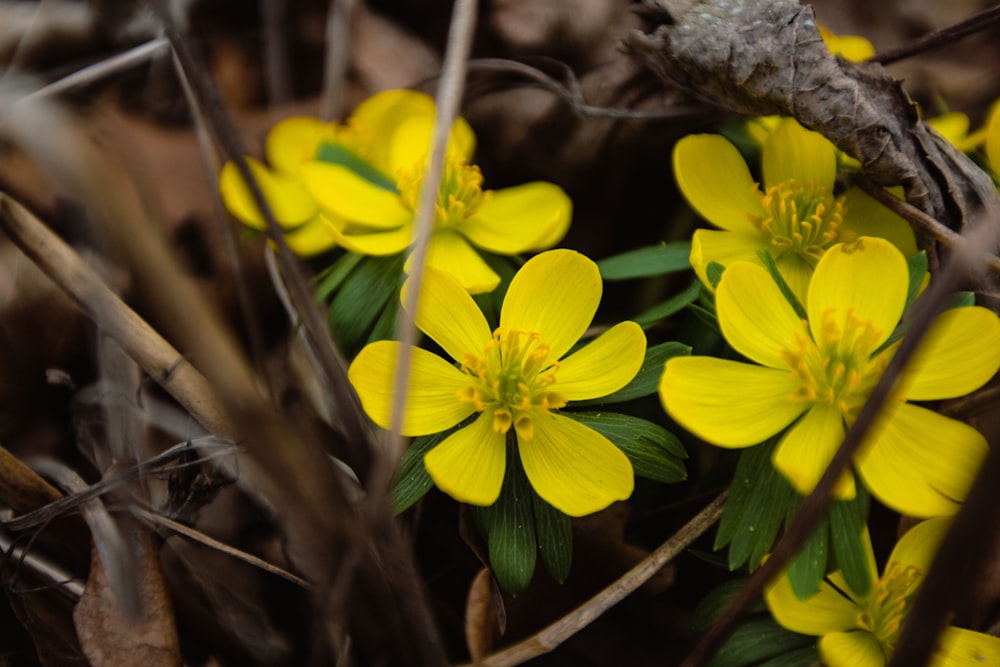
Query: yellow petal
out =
(520, 219)
(993, 137)
(920, 544)
(953, 126)
(347, 195)
(604, 365)
(292, 142)
(797, 273)
(469, 465)
(450, 253)
(376, 243)
(959, 354)
(825, 612)
(411, 142)
(919, 462)
(314, 237)
(574, 468)
(852, 649)
(556, 295)
(728, 403)
(958, 647)
(725, 248)
(804, 453)
(868, 278)
(449, 316)
(755, 317)
(712, 175)
(289, 200)
(792, 152)
(863, 216)
(432, 400)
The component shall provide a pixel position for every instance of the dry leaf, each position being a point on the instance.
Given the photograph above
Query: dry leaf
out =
(107, 637)
(483, 610)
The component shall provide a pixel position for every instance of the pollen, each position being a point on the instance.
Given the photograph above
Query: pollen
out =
(459, 197)
(839, 368)
(512, 379)
(801, 219)
(889, 603)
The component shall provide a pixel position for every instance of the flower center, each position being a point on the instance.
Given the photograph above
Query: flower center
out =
(889, 602)
(802, 219)
(838, 369)
(513, 377)
(459, 197)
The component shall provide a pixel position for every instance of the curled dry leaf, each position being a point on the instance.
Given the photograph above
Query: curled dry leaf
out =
(107, 637)
(763, 57)
(483, 615)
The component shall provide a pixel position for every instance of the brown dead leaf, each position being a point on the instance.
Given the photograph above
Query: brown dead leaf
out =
(107, 637)
(483, 614)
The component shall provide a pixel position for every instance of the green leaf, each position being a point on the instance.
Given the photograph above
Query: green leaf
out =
(786, 291)
(758, 638)
(645, 262)
(555, 538)
(362, 297)
(807, 656)
(655, 453)
(340, 155)
(917, 266)
(717, 601)
(412, 481)
(511, 535)
(331, 278)
(848, 525)
(647, 380)
(759, 499)
(673, 305)
(714, 273)
(808, 567)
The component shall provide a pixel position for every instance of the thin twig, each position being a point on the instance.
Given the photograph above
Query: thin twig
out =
(102, 69)
(277, 72)
(555, 634)
(572, 93)
(921, 221)
(198, 536)
(942, 37)
(339, 29)
(463, 22)
(143, 343)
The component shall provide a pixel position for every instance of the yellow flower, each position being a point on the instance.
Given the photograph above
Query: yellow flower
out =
(797, 216)
(515, 377)
(862, 630)
(993, 137)
(307, 230)
(850, 47)
(379, 207)
(815, 375)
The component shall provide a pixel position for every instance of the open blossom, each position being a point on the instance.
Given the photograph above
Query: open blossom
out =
(813, 376)
(356, 185)
(796, 216)
(862, 630)
(514, 379)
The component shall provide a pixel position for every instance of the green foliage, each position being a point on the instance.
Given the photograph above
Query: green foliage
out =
(647, 379)
(554, 531)
(655, 453)
(509, 527)
(646, 262)
(671, 306)
(335, 153)
(758, 641)
(761, 500)
(412, 481)
(358, 304)
(714, 272)
(786, 291)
